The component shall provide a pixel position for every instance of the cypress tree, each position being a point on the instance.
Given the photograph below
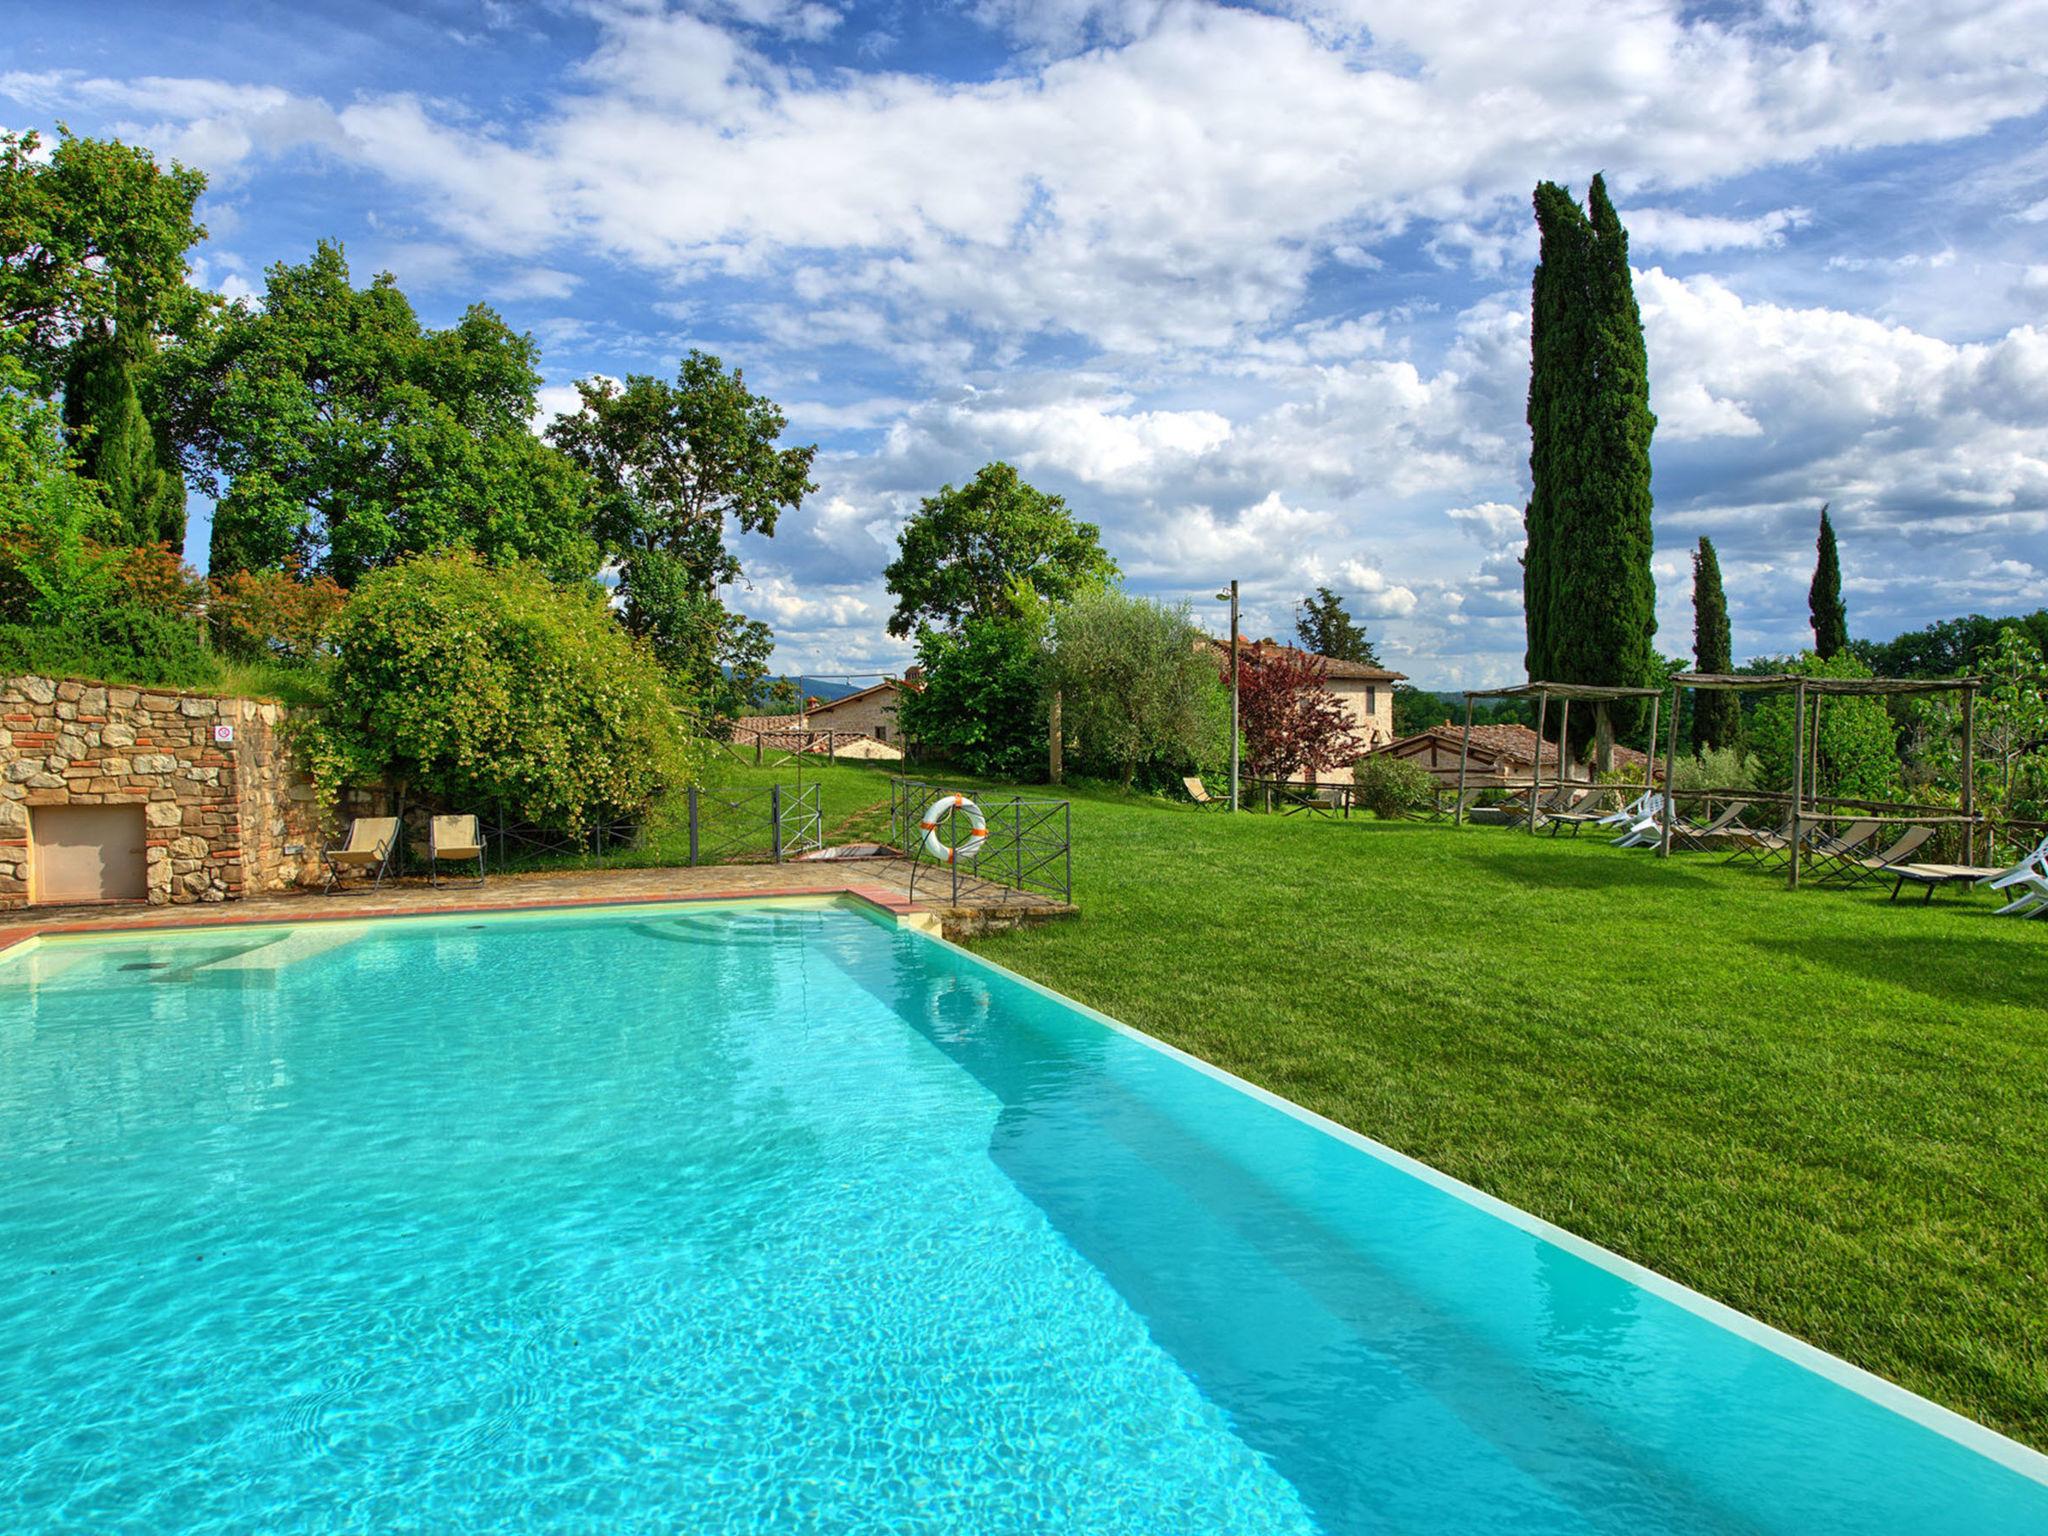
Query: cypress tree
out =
(1590, 601)
(1716, 716)
(1824, 598)
(115, 443)
(1327, 629)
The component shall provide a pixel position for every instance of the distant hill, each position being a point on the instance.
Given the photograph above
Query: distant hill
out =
(822, 688)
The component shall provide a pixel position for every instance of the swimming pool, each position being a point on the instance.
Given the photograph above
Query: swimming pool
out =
(778, 1218)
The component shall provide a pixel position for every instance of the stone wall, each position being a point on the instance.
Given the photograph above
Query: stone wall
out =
(224, 818)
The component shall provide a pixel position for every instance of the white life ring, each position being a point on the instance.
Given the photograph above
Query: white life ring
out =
(977, 828)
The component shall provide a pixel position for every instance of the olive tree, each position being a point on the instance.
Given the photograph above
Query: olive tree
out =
(1137, 685)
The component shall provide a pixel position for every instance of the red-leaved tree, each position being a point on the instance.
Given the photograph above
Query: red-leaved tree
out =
(1292, 723)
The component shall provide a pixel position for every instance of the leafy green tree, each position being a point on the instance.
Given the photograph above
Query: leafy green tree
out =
(1824, 597)
(1589, 598)
(52, 519)
(1138, 685)
(92, 272)
(716, 657)
(1717, 717)
(670, 466)
(438, 682)
(1858, 756)
(1326, 629)
(2011, 728)
(983, 704)
(971, 551)
(1948, 646)
(94, 231)
(73, 603)
(342, 435)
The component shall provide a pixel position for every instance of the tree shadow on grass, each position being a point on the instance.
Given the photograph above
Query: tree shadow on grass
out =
(1556, 870)
(1966, 970)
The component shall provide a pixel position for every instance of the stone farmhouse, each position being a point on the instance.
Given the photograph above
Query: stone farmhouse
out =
(1366, 692)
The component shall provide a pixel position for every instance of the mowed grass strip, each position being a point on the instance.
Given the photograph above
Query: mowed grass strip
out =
(1822, 1108)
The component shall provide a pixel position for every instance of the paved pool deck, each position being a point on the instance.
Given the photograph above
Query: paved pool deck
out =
(884, 883)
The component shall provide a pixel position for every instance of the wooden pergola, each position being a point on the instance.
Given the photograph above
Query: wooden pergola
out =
(1543, 694)
(1819, 689)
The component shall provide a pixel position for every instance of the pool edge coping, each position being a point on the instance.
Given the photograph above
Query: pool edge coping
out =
(17, 938)
(1959, 1428)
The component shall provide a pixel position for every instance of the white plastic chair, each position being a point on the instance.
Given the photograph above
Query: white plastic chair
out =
(2029, 878)
(1648, 826)
(1643, 805)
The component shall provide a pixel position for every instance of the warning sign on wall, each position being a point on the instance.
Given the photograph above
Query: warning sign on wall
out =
(222, 734)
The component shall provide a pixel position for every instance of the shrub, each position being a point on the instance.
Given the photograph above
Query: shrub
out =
(272, 615)
(982, 706)
(493, 690)
(1715, 768)
(1389, 786)
(125, 643)
(1858, 757)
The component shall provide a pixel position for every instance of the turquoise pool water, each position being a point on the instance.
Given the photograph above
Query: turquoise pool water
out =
(781, 1219)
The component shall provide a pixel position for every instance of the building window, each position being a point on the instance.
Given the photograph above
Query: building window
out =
(1372, 700)
(881, 733)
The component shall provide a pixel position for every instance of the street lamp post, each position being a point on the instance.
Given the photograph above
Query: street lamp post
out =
(1231, 598)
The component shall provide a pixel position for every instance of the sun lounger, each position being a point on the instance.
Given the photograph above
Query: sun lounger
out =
(1931, 877)
(1686, 834)
(1199, 793)
(1757, 842)
(1852, 869)
(454, 839)
(1824, 847)
(368, 849)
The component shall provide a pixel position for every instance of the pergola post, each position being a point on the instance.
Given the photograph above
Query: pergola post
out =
(1464, 757)
(1670, 768)
(1970, 775)
(1798, 781)
(1564, 736)
(1536, 768)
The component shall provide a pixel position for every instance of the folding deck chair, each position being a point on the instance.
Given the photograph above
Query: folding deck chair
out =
(371, 842)
(1855, 869)
(454, 839)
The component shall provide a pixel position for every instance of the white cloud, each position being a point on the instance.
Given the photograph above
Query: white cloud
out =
(1677, 233)
(689, 148)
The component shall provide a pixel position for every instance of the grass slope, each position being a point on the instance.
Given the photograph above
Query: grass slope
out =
(1821, 1108)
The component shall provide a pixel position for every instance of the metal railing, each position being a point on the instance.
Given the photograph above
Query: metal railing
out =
(1029, 848)
(766, 824)
(726, 826)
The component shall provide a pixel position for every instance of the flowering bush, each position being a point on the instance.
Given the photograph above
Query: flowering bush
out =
(493, 690)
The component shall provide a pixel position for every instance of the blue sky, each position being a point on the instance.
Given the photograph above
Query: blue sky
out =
(1247, 284)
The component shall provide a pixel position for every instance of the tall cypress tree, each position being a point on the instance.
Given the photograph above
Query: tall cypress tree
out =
(1327, 629)
(114, 441)
(1716, 716)
(1589, 598)
(1824, 598)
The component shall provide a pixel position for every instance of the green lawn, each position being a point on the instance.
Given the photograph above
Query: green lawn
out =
(1821, 1108)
